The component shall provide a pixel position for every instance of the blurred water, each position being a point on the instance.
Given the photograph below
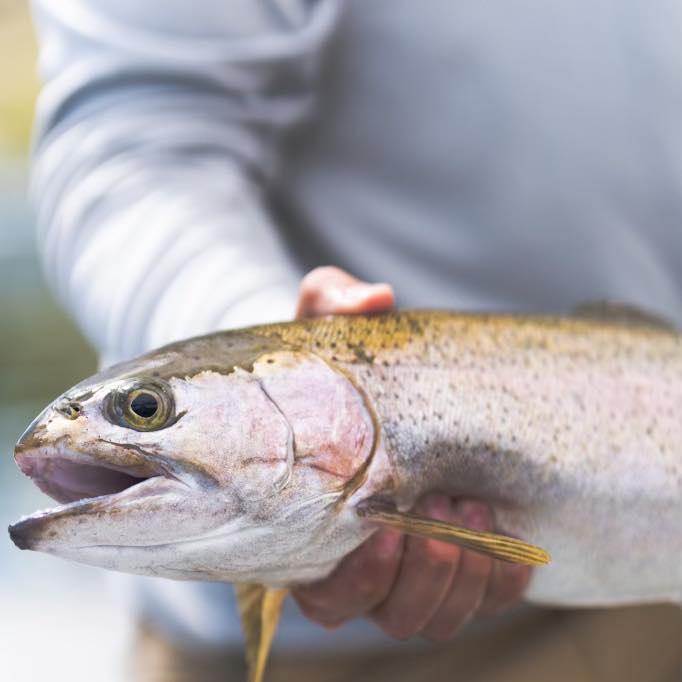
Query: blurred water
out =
(58, 621)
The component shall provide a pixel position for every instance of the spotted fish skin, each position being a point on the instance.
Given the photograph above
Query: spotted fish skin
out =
(570, 428)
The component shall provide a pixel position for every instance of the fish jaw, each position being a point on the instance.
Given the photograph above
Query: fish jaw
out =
(106, 504)
(159, 525)
(60, 530)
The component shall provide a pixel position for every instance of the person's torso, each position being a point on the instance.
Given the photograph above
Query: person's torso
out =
(497, 156)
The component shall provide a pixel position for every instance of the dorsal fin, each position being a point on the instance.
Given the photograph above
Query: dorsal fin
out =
(492, 544)
(622, 313)
(260, 608)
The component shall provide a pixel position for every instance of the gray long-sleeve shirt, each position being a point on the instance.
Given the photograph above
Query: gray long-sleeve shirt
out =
(195, 157)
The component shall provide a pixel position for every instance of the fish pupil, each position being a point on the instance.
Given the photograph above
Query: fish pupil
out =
(144, 405)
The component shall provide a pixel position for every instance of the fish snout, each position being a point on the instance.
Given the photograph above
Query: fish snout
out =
(31, 438)
(20, 533)
(59, 414)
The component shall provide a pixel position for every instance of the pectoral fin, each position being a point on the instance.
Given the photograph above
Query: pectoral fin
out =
(260, 608)
(498, 546)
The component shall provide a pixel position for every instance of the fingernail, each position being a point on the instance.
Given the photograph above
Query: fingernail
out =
(353, 294)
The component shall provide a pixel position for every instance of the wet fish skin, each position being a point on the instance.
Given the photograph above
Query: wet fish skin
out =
(569, 429)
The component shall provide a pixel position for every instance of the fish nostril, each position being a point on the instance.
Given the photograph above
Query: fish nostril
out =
(69, 409)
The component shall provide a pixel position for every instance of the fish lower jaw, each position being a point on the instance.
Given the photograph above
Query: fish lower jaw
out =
(33, 531)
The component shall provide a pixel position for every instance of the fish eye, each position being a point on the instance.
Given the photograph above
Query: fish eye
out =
(142, 406)
(145, 404)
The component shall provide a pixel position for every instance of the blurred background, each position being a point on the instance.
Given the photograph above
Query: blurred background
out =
(58, 621)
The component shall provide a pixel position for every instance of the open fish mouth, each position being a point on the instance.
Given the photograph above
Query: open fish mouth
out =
(81, 483)
(68, 476)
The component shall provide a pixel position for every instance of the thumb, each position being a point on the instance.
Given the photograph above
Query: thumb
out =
(332, 291)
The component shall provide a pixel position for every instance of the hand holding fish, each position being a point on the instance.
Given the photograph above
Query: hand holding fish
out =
(407, 585)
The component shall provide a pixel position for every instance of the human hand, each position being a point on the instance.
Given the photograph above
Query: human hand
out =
(332, 291)
(407, 585)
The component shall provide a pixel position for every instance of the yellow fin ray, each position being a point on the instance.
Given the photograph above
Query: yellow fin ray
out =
(492, 544)
(260, 608)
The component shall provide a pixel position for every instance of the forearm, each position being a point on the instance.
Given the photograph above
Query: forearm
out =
(156, 143)
(143, 255)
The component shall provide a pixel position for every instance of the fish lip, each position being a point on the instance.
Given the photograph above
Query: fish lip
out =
(56, 467)
(39, 461)
(87, 484)
(29, 530)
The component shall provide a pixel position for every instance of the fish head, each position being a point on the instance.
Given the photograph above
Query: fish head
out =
(227, 457)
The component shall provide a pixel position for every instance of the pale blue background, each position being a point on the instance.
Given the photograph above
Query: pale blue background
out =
(58, 621)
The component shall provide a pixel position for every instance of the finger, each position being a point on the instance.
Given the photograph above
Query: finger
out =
(332, 291)
(469, 585)
(423, 580)
(507, 584)
(360, 582)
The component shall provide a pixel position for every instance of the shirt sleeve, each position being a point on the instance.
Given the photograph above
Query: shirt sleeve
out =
(156, 144)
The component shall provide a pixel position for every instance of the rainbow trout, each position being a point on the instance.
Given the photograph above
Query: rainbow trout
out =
(264, 456)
